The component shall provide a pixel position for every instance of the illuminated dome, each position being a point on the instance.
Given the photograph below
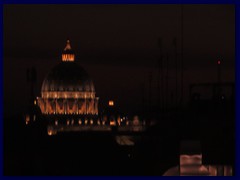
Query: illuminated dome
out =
(67, 76)
(68, 89)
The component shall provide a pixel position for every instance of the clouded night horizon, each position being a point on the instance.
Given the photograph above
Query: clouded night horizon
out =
(152, 85)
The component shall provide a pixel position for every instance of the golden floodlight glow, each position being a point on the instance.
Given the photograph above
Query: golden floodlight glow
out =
(112, 123)
(50, 132)
(111, 103)
(27, 119)
(68, 95)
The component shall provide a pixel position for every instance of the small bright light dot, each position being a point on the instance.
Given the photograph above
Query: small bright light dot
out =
(111, 103)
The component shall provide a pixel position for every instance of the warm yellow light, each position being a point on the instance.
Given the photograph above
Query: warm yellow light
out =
(112, 123)
(27, 120)
(50, 132)
(35, 102)
(111, 103)
(68, 57)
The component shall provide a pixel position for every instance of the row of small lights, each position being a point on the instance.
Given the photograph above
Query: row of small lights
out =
(91, 122)
(80, 122)
(70, 96)
(85, 113)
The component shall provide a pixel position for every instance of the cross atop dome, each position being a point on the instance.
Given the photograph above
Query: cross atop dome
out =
(68, 54)
(68, 46)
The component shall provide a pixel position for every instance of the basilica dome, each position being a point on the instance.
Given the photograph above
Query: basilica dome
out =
(68, 89)
(67, 77)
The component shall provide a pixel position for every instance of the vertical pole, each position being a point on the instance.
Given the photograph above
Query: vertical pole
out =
(219, 79)
(150, 93)
(162, 83)
(167, 83)
(143, 99)
(159, 73)
(181, 53)
(176, 73)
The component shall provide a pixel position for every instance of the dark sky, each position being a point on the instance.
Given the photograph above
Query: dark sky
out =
(117, 45)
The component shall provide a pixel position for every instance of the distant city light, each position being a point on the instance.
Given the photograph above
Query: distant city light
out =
(112, 123)
(219, 62)
(50, 132)
(111, 103)
(27, 120)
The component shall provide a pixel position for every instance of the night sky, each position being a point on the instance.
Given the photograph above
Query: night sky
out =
(117, 45)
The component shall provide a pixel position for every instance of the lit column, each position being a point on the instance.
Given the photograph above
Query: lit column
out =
(57, 107)
(85, 110)
(91, 106)
(96, 105)
(65, 106)
(77, 106)
(87, 106)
